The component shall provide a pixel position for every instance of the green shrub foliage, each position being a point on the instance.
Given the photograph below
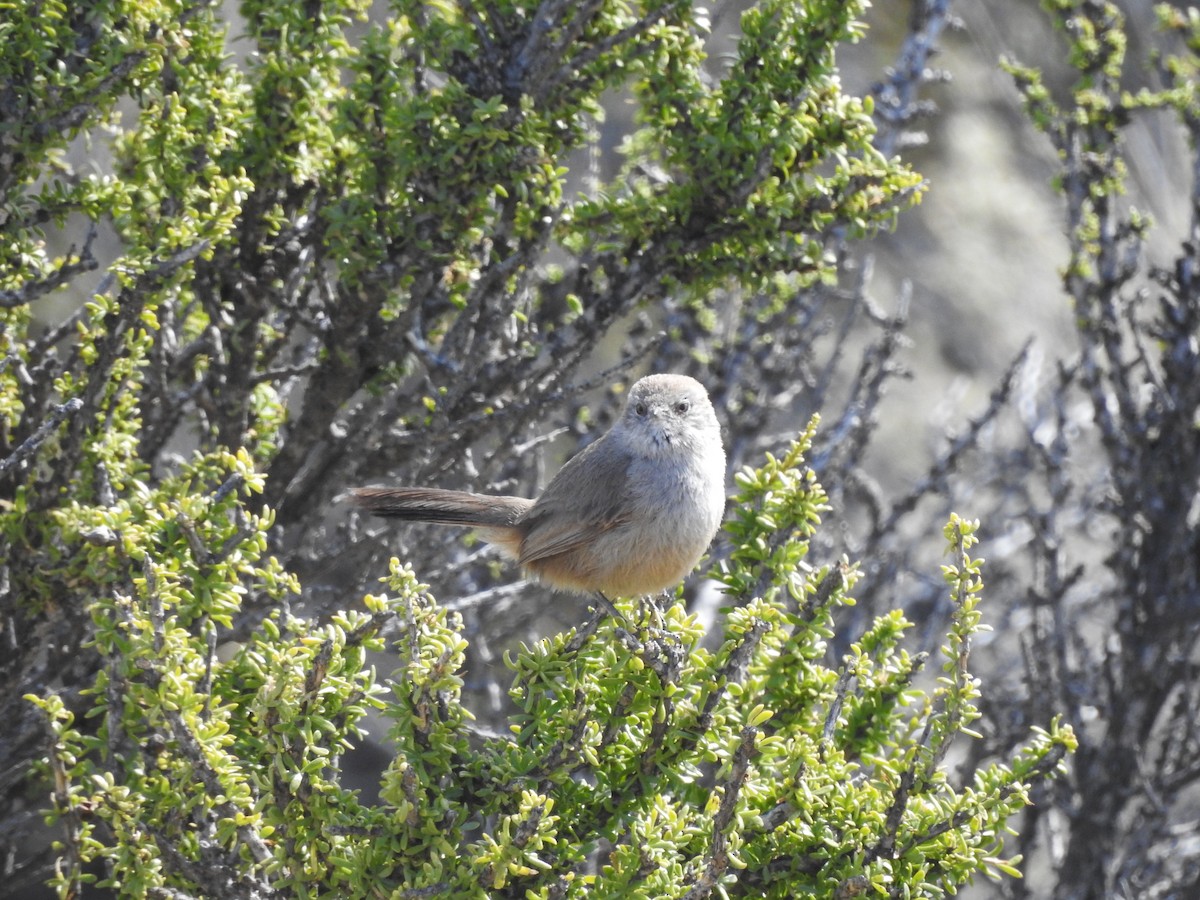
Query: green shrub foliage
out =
(341, 246)
(637, 762)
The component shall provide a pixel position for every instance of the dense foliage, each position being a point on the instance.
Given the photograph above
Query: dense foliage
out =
(314, 245)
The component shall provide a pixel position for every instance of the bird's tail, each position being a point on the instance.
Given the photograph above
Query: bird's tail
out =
(442, 507)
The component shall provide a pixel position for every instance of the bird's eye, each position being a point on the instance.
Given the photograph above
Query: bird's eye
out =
(640, 409)
(683, 406)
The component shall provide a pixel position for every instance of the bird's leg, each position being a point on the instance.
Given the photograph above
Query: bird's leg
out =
(623, 635)
(599, 611)
(609, 608)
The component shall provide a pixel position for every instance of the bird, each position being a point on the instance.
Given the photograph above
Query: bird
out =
(630, 515)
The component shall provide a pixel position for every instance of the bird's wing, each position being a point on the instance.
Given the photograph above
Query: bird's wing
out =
(588, 497)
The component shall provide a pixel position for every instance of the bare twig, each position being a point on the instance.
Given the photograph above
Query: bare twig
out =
(30, 444)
